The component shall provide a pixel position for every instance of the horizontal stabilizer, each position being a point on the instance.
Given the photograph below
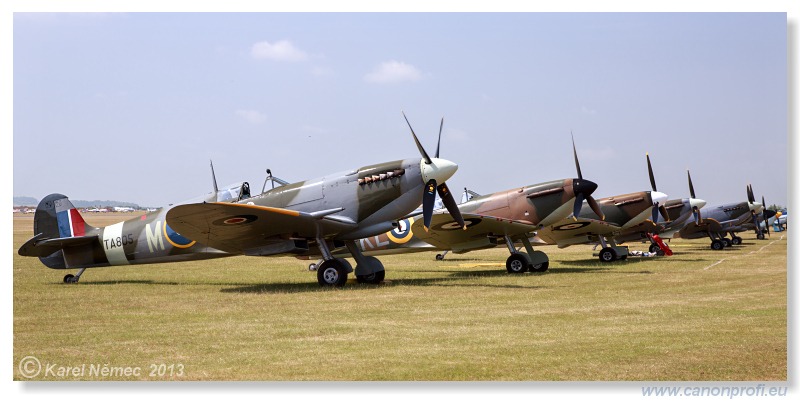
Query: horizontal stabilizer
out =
(39, 246)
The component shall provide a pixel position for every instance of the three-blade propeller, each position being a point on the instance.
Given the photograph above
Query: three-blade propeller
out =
(583, 189)
(431, 187)
(656, 207)
(695, 209)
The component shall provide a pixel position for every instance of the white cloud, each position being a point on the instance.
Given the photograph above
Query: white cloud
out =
(393, 72)
(588, 111)
(281, 51)
(254, 117)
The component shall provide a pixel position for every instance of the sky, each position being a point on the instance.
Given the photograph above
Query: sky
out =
(132, 106)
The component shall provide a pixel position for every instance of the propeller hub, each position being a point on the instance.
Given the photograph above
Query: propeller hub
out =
(658, 197)
(756, 207)
(439, 170)
(584, 186)
(699, 203)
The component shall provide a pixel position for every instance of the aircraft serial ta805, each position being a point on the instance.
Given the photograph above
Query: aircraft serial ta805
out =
(305, 218)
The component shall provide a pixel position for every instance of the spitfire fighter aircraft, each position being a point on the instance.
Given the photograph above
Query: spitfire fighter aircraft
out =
(677, 214)
(502, 218)
(305, 218)
(636, 212)
(714, 222)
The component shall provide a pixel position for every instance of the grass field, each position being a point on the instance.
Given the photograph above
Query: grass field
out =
(697, 315)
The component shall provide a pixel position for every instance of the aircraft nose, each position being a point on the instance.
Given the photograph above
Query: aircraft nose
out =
(757, 207)
(584, 186)
(439, 169)
(658, 197)
(699, 203)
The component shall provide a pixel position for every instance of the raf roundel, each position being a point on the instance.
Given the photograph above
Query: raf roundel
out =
(567, 227)
(235, 220)
(452, 225)
(402, 233)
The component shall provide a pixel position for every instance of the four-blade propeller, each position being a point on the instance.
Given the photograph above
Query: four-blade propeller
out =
(433, 169)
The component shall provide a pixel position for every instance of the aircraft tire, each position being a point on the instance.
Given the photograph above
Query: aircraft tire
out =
(760, 236)
(517, 263)
(608, 255)
(728, 242)
(654, 248)
(717, 244)
(540, 268)
(70, 279)
(737, 240)
(374, 278)
(332, 273)
(439, 256)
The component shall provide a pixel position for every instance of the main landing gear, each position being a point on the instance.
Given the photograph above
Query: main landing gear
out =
(613, 252)
(70, 279)
(332, 272)
(440, 256)
(520, 262)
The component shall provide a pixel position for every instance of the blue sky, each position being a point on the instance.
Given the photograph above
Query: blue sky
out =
(131, 106)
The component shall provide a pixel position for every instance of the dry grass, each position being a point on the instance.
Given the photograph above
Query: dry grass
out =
(463, 318)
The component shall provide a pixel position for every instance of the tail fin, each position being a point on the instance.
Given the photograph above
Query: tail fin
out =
(56, 217)
(57, 224)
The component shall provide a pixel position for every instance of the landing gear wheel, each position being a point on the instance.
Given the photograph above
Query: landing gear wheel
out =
(655, 249)
(517, 263)
(332, 273)
(539, 268)
(717, 244)
(737, 240)
(608, 255)
(760, 236)
(374, 278)
(439, 256)
(70, 279)
(728, 242)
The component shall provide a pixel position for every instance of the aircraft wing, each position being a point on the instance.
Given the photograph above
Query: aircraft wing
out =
(569, 231)
(446, 234)
(707, 225)
(249, 229)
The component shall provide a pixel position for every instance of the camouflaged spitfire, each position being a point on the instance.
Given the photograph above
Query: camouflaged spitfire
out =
(301, 219)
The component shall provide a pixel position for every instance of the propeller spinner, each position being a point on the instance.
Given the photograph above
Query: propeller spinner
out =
(436, 171)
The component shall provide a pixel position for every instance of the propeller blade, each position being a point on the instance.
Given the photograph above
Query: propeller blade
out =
(450, 203)
(595, 207)
(650, 171)
(664, 213)
(691, 188)
(655, 212)
(750, 197)
(764, 216)
(576, 209)
(427, 203)
(697, 217)
(416, 140)
(575, 154)
(439, 142)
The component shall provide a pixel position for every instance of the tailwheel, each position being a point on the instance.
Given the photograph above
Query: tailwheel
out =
(374, 278)
(439, 256)
(70, 279)
(608, 255)
(717, 244)
(332, 273)
(517, 263)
